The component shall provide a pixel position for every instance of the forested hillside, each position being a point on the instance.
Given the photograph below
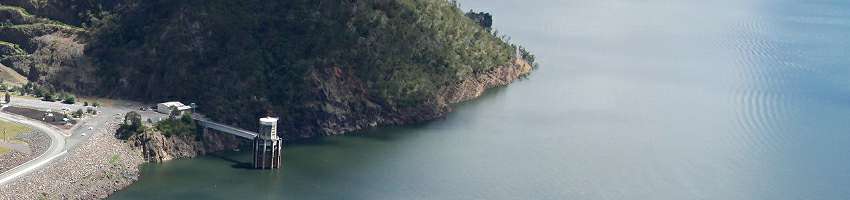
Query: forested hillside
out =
(323, 66)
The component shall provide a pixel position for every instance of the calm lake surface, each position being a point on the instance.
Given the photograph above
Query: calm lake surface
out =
(652, 99)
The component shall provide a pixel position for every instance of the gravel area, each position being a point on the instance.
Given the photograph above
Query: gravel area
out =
(12, 159)
(37, 142)
(93, 170)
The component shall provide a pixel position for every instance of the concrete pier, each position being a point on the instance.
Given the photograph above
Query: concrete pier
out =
(267, 154)
(267, 145)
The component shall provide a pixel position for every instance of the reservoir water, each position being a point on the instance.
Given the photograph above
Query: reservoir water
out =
(652, 99)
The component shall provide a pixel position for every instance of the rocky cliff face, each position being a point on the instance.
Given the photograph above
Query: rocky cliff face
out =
(344, 105)
(474, 86)
(156, 147)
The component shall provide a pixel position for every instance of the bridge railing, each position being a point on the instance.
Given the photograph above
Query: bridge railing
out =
(227, 129)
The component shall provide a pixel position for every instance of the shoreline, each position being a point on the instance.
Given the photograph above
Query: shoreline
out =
(105, 164)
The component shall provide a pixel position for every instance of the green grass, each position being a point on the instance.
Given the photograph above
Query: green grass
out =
(12, 129)
(114, 160)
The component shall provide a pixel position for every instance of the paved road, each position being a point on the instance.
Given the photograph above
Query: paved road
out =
(60, 140)
(56, 149)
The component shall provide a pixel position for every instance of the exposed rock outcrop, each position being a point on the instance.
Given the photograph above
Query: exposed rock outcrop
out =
(345, 106)
(156, 147)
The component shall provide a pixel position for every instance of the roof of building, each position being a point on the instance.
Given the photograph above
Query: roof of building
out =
(172, 103)
(268, 120)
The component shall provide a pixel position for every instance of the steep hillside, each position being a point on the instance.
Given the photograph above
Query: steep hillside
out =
(324, 66)
(44, 49)
(73, 12)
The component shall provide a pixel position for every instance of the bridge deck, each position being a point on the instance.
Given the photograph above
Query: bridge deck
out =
(227, 129)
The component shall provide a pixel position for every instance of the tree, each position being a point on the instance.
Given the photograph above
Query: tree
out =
(47, 97)
(78, 113)
(132, 125)
(182, 125)
(85, 103)
(95, 104)
(69, 99)
(482, 18)
(33, 74)
(8, 98)
(133, 120)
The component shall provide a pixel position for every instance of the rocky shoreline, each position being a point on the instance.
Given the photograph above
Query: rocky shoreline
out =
(37, 142)
(93, 170)
(342, 91)
(158, 148)
(106, 164)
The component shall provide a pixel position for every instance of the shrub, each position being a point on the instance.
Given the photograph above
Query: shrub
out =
(182, 125)
(69, 99)
(132, 126)
(78, 113)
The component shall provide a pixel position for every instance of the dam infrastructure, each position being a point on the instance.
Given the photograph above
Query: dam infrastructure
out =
(266, 143)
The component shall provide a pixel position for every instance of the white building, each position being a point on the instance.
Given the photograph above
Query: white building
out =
(167, 107)
(268, 128)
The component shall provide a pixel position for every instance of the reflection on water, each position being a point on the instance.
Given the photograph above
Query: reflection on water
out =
(657, 99)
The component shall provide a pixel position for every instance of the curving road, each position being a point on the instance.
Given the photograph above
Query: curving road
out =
(56, 149)
(60, 140)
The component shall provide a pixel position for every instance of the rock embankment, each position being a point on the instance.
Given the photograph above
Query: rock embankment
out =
(346, 107)
(474, 86)
(93, 170)
(37, 142)
(156, 147)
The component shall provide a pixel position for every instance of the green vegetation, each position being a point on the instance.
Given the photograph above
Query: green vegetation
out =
(67, 98)
(17, 15)
(23, 34)
(182, 125)
(77, 114)
(132, 126)
(267, 54)
(114, 160)
(9, 132)
(46, 93)
(307, 61)
(173, 126)
(10, 49)
(483, 19)
(73, 12)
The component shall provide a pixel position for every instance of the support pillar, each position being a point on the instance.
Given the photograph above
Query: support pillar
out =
(267, 153)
